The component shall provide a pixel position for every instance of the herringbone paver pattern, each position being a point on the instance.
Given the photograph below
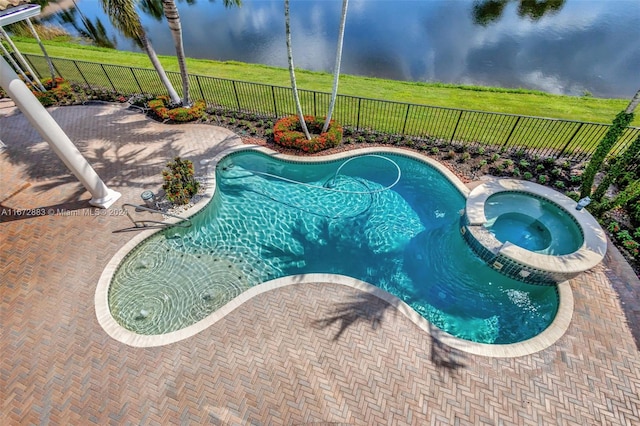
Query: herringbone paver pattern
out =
(308, 354)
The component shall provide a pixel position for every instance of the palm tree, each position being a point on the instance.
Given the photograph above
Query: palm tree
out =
(292, 72)
(97, 33)
(336, 71)
(152, 8)
(124, 17)
(173, 19)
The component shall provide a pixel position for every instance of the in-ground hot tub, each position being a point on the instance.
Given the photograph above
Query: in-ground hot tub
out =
(530, 232)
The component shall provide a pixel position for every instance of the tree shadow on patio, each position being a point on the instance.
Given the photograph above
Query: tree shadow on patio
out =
(363, 307)
(443, 356)
(369, 308)
(124, 147)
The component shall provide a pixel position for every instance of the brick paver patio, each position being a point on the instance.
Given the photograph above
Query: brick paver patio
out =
(313, 353)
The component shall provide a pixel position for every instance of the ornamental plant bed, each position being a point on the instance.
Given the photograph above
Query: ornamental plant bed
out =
(287, 132)
(162, 109)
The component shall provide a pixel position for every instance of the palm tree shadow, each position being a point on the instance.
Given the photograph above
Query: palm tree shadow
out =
(363, 307)
(444, 357)
(125, 152)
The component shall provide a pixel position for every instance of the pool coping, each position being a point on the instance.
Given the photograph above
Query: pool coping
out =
(588, 255)
(542, 341)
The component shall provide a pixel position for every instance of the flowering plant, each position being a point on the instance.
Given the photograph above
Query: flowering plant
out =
(179, 181)
(57, 90)
(287, 132)
(162, 109)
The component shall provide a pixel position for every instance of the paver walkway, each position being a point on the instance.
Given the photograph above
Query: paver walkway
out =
(315, 353)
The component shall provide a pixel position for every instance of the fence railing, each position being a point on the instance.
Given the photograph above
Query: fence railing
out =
(545, 137)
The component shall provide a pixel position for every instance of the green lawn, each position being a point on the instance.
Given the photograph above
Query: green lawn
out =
(522, 102)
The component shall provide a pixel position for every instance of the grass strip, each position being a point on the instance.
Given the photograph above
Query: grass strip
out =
(511, 101)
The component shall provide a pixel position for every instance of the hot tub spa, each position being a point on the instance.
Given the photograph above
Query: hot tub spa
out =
(530, 232)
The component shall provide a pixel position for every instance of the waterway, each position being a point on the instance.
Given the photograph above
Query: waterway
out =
(576, 47)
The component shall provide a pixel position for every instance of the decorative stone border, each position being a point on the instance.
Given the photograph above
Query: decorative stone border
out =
(542, 341)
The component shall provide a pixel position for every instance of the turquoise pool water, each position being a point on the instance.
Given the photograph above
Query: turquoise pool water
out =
(532, 223)
(258, 227)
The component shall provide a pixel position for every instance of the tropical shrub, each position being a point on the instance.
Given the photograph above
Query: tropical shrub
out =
(58, 91)
(162, 108)
(141, 100)
(625, 239)
(179, 182)
(287, 132)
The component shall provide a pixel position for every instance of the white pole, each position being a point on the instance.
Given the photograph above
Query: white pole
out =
(22, 59)
(14, 63)
(57, 139)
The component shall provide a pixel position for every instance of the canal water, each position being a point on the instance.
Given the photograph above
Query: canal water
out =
(573, 47)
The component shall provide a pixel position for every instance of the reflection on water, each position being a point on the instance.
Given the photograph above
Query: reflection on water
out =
(558, 46)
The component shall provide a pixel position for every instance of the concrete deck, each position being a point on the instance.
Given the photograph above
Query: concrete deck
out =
(310, 353)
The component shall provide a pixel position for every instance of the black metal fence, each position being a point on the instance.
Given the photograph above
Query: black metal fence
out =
(545, 137)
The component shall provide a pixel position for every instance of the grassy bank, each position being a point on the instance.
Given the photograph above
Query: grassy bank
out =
(514, 101)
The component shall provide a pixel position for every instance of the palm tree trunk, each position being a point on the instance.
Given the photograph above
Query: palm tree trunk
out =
(44, 51)
(292, 72)
(123, 16)
(634, 103)
(173, 19)
(336, 71)
(146, 45)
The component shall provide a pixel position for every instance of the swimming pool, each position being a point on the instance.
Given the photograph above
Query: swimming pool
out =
(261, 225)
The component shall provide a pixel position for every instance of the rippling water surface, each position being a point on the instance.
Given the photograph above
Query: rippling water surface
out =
(585, 46)
(405, 240)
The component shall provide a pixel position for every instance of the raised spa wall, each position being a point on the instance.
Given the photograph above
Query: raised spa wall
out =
(522, 264)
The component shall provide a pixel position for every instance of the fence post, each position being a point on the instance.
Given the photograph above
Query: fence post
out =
(82, 75)
(275, 105)
(358, 121)
(570, 139)
(136, 79)
(200, 88)
(107, 75)
(406, 115)
(512, 130)
(315, 110)
(236, 92)
(456, 128)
